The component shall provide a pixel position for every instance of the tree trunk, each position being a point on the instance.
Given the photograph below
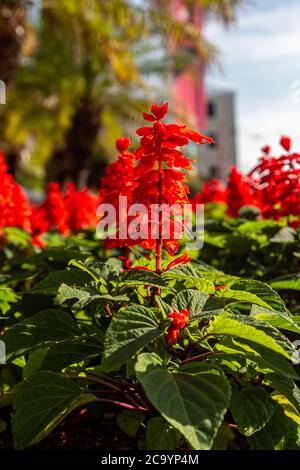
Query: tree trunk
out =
(73, 161)
(12, 36)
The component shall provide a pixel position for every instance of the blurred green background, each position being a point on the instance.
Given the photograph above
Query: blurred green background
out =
(78, 73)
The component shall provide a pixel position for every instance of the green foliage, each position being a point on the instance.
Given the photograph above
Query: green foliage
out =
(130, 330)
(193, 404)
(78, 328)
(42, 402)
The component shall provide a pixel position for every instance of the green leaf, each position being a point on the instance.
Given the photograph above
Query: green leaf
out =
(254, 292)
(285, 386)
(17, 237)
(247, 328)
(39, 331)
(278, 321)
(160, 435)
(7, 297)
(51, 283)
(289, 409)
(130, 330)
(191, 299)
(142, 277)
(191, 279)
(266, 359)
(162, 305)
(274, 435)
(223, 438)
(34, 362)
(130, 420)
(291, 282)
(41, 403)
(97, 270)
(87, 268)
(64, 354)
(85, 296)
(193, 404)
(251, 408)
(182, 272)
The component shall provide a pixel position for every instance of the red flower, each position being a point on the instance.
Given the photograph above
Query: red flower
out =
(52, 214)
(266, 149)
(122, 144)
(160, 180)
(240, 192)
(179, 321)
(81, 206)
(221, 286)
(118, 181)
(15, 209)
(286, 143)
(213, 191)
(278, 181)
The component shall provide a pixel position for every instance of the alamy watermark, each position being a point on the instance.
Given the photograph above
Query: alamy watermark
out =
(296, 353)
(295, 97)
(140, 222)
(2, 92)
(2, 352)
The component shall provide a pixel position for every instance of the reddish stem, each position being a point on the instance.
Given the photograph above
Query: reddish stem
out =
(199, 357)
(158, 247)
(123, 405)
(107, 309)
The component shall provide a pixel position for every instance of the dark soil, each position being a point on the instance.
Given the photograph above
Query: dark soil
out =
(81, 430)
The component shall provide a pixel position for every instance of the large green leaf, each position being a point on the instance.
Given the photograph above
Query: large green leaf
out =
(85, 296)
(160, 435)
(251, 408)
(248, 328)
(254, 292)
(64, 354)
(278, 321)
(180, 273)
(51, 283)
(43, 400)
(275, 434)
(285, 386)
(193, 404)
(190, 278)
(191, 299)
(266, 359)
(130, 330)
(41, 330)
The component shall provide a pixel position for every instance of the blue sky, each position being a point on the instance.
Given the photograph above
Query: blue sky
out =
(260, 57)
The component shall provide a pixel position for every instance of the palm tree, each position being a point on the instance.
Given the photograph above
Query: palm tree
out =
(87, 70)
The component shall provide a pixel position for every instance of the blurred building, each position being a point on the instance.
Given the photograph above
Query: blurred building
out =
(213, 112)
(215, 161)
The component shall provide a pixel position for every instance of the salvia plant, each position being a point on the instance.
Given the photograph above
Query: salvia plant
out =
(184, 353)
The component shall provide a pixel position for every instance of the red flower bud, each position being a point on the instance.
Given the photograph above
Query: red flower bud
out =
(286, 143)
(122, 144)
(266, 149)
